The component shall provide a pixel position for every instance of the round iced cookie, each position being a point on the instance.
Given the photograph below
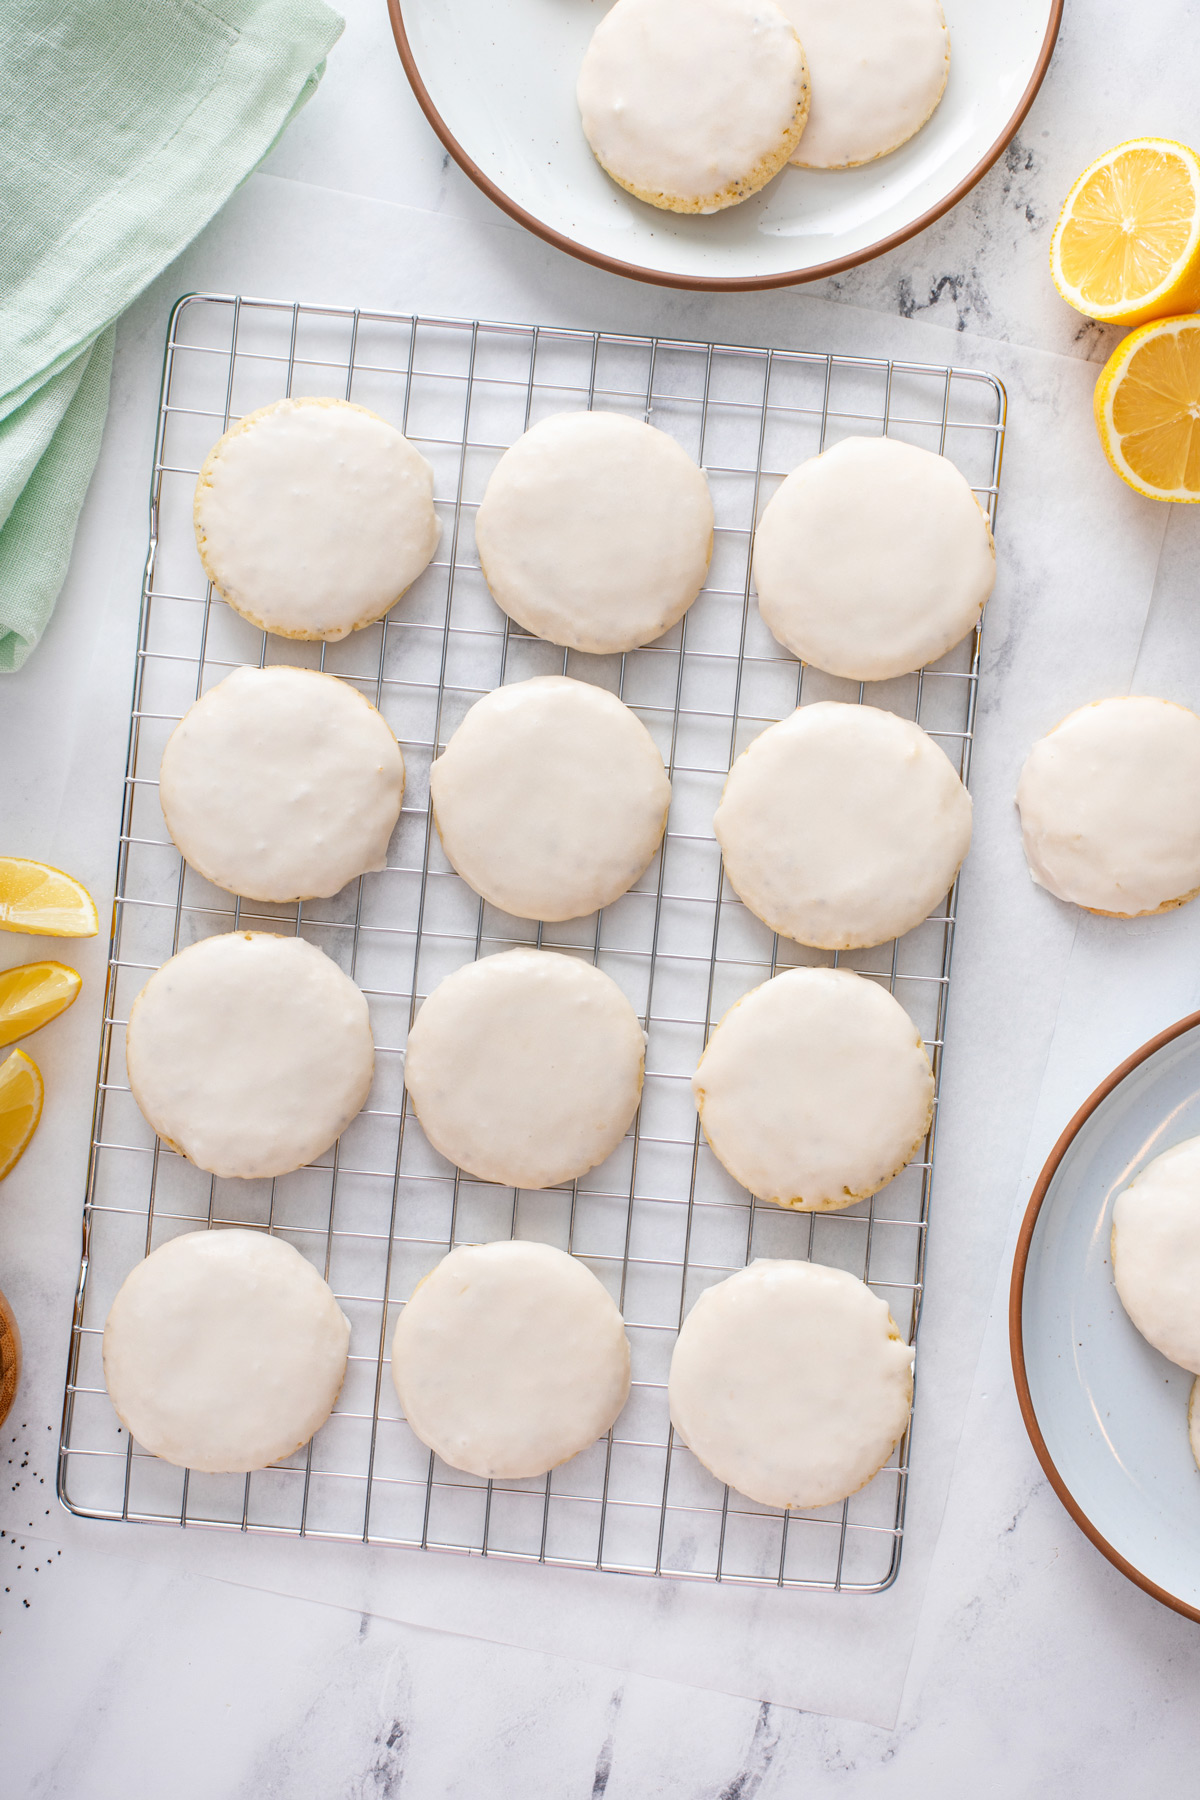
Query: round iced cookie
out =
(224, 1351)
(595, 531)
(249, 1053)
(551, 798)
(815, 1089)
(791, 1383)
(282, 784)
(312, 517)
(873, 559)
(843, 826)
(1110, 807)
(510, 1358)
(1156, 1252)
(878, 69)
(526, 1067)
(693, 105)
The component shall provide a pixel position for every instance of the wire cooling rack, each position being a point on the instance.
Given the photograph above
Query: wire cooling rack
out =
(660, 1220)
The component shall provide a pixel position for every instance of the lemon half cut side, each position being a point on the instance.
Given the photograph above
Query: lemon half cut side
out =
(1126, 247)
(1147, 405)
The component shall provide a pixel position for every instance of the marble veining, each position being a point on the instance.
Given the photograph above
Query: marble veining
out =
(138, 1662)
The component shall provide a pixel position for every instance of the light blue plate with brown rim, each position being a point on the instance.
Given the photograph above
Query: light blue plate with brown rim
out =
(1106, 1413)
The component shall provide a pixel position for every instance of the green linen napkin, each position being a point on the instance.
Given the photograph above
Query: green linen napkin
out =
(124, 126)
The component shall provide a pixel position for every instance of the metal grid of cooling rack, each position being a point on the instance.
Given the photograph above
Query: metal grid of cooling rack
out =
(660, 1219)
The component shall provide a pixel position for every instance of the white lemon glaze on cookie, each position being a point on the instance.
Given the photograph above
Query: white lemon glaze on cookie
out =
(224, 1351)
(250, 1053)
(510, 1358)
(1110, 807)
(595, 531)
(312, 517)
(282, 784)
(843, 826)
(815, 1089)
(550, 798)
(873, 559)
(526, 1067)
(790, 1382)
(693, 105)
(1194, 1421)
(878, 70)
(1156, 1252)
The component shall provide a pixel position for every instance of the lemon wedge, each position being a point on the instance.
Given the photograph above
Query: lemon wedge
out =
(44, 901)
(33, 995)
(1147, 405)
(1127, 244)
(20, 1107)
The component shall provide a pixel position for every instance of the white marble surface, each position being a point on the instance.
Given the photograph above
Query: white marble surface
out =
(1010, 1657)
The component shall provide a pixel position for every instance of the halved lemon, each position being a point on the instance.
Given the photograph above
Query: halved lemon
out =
(1147, 405)
(33, 995)
(1127, 244)
(20, 1107)
(44, 901)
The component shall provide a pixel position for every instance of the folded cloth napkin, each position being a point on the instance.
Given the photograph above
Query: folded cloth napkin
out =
(124, 126)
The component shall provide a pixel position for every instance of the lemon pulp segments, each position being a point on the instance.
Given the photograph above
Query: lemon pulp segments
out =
(20, 1107)
(32, 995)
(1105, 259)
(1127, 245)
(38, 899)
(1147, 408)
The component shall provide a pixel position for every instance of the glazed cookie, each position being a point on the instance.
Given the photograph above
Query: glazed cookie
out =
(878, 70)
(224, 1351)
(282, 784)
(791, 1383)
(1156, 1252)
(693, 105)
(312, 517)
(249, 1053)
(510, 1358)
(551, 798)
(1110, 807)
(815, 1089)
(843, 826)
(873, 559)
(595, 531)
(526, 1067)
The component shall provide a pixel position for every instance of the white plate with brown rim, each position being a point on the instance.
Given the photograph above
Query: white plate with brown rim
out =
(497, 83)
